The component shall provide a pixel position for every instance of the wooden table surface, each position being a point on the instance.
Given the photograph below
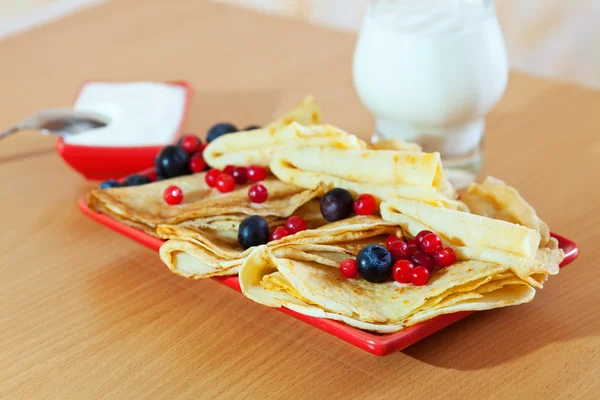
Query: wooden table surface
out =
(87, 313)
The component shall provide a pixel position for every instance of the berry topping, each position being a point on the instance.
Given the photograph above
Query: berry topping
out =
(348, 268)
(218, 130)
(295, 224)
(420, 276)
(399, 250)
(136, 180)
(111, 183)
(374, 263)
(279, 232)
(189, 143)
(253, 231)
(421, 235)
(225, 183)
(197, 163)
(251, 127)
(256, 173)
(229, 169)
(258, 193)
(365, 205)
(413, 242)
(172, 161)
(412, 246)
(336, 205)
(240, 175)
(211, 177)
(430, 243)
(391, 239)
(424, 259)
(445, 256)
(402, 271)
(173, 195)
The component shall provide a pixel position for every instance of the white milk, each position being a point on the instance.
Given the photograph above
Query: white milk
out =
(141, 113)
(430, 71)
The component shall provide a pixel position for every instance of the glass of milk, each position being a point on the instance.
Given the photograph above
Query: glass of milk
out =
(430, 70)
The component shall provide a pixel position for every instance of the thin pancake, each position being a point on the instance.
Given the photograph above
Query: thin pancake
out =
(145, 204)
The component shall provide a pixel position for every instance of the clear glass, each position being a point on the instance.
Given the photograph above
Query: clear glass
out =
(430, 70)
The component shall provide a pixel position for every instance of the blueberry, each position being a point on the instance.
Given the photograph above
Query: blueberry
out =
(220, 129)
(172, 161)
(253, 231)
(111, 183)
(136, 180)
(337, 204)
(251, 127)
(374, 263)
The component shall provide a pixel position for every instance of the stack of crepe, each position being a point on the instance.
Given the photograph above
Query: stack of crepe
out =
(499, 263)
(504, 251)
(201, 233)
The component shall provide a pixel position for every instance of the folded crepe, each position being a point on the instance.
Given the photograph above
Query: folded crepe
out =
(521, 245)
(143, 206)
(385, 174)
(304, 276)
(300, 127)
(200, 249)
(499, 263)
(495, 199)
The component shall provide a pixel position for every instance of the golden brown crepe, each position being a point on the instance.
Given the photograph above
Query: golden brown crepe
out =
(499, 263)
(258, 147)
(200, 250)
(307, 280)
(385, 174)
(144, 206)
(300, 127)
(495, 199)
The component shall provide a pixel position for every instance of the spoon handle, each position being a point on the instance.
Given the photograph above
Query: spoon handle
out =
(8, 132)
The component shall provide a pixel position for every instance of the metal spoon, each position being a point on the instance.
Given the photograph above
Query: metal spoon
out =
(59, 121)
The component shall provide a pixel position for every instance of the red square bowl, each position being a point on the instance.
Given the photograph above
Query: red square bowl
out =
(99, 163)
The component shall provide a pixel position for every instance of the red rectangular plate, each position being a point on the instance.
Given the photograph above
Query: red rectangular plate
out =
(378, 344)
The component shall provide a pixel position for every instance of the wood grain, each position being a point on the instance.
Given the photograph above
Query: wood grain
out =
(86, 313)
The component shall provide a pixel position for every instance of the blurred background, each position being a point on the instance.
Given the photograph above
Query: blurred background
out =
(549, 38)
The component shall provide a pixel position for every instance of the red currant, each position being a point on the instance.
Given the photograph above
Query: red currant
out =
(197, 163)
(411, 248)
(445, 256)
(279, 233)
(190, 143)
(173, 195)
(398, 249)
(348, 268)
(391, 239)
(421, 235)
(420, 276)
(229, 169)
(240, 175)
(365, 205)
(202, 147)
(211, 177)
(225, 183)
(402, 271)
(256, 173)
(430, 243)
(258, 193)
(424, 259)
(295, 224)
